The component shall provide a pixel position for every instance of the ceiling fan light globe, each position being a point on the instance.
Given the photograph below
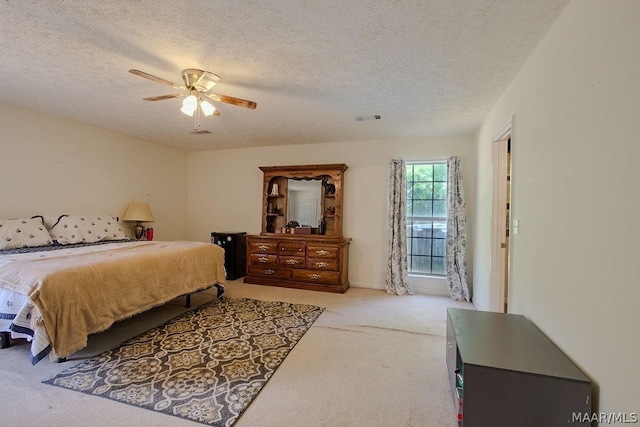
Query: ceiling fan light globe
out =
(190, 102)
(189, 105)
(207, 108)
(188, 110)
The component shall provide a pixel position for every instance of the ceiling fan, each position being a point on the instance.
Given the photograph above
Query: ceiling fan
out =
(197, 84)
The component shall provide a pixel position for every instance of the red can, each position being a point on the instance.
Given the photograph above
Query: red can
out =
(149, 233)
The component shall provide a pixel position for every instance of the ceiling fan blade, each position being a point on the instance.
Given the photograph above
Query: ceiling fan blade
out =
(163, 97)
(233, 101)
(156, 79)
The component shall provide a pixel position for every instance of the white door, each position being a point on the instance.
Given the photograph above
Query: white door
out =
(501, 218)
(500, 232)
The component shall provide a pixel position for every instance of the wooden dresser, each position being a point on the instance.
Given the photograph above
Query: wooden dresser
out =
(309, 262)
(292, 250)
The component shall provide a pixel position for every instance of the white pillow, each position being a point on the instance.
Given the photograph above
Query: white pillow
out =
(85, 228)
(20, 233)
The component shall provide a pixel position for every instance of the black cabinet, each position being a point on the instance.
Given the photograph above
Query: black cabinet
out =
(235, 252)
(505, 372)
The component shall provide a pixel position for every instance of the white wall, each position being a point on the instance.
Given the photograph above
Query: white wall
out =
(574, 272)
(52, 166)
(225, 192)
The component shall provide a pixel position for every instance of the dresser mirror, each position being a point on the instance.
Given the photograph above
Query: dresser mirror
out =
(296, 198)
(304, 202)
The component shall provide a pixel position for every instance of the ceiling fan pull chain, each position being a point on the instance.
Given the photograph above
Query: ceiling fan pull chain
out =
(196, 120)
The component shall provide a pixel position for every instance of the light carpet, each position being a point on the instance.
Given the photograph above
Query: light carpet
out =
(205, 365)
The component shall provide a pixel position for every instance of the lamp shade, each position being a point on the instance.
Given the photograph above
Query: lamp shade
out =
(189, 105)
(138, 211)
(207, 108)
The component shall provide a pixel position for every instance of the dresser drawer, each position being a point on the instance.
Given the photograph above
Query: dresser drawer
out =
(322, 252)
(318, 263)
(316, 276)
(322, 264)
(263, 248)
(269, 272)
(291, 248)
(291, 261)
(260, 259)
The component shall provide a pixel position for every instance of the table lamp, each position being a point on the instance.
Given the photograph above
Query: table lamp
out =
(138, 212)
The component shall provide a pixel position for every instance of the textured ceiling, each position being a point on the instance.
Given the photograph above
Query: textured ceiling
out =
(427, 67)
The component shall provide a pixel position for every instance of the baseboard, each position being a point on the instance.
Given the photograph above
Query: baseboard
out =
(420, 285)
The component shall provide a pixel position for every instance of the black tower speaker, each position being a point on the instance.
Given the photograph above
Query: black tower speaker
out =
(235, 252)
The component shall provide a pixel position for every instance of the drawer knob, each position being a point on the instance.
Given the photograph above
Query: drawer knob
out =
(322, 252)
(315, 276)
(263, 248)
(263, 259)
(322, 264)
(268, 271)
(291, 261)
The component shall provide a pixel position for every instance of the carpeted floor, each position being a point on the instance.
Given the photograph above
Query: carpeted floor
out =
(370, 359)
(206, 365)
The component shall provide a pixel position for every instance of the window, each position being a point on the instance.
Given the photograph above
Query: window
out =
(426, 218)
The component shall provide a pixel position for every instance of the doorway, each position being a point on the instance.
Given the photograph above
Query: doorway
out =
(501, 218)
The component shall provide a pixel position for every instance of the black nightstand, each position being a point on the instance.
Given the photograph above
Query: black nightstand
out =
(235, 251)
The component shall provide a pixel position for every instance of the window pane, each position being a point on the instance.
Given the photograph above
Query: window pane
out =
(422, 229)
(423, 172)
(439, 266)
(440, 229)
(421, 246)
(422, 208)
(409, 173)
(438, 247)
(422, 190)
(440, 190)
(439, 208)
(421, 264)
(440, 172)
(409, 207)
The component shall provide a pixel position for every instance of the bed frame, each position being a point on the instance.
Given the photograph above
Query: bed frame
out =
(74, 287)
(6, 341)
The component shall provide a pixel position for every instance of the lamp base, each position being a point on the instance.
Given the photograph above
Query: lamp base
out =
(139, 229)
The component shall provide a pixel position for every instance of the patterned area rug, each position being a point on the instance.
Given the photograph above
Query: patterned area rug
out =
(206, 365)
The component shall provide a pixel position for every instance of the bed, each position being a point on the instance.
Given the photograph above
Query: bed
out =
(58, 293)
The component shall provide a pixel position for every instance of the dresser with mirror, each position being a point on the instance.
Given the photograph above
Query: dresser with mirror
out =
(301, 243)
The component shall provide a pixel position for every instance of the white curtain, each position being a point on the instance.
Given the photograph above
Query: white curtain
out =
(397, 281)
(456, 233)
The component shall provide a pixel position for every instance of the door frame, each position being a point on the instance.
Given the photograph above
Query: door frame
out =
(500, 258)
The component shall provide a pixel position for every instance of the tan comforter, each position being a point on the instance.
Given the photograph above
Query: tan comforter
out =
(85, 292)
